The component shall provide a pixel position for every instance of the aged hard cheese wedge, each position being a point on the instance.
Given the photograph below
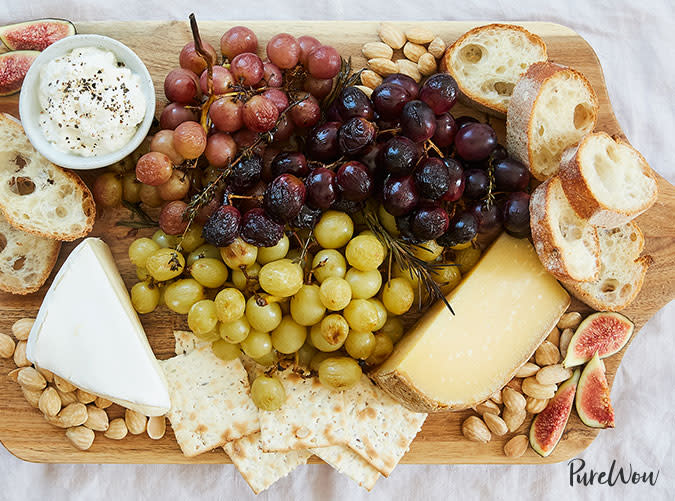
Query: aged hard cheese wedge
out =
(503, 310)
(88, 333)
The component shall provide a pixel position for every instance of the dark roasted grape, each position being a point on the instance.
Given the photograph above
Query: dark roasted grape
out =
(354, 181)
(306, 218)
(245, 173)
(476, 184)
(307, 112)
(260, 114)
(517, 214)
(511, 175)
(465, 120)
(475, 141)
(222, 227)
(332, 113)
(182, 86)
(398, 156)
(488, 216)
(389, 100)
(432, 178)
(323, 62)
(237, 40)
(206, 211)
(439, 92)
(404, 81)
(283, 50)
(318, 87)
(404, 226)
(399, 195)
(446, 129)
(353, 102)
(291, 162)
(370, 157)
(429, 223)
(348, 206)
(321, 188)
(418, 121)
(245, 139)
(247, 68)
(322, 143)
(278, 97)
(284, 198)
(463, 228)
(355, 136)
(175, 114)
(456, 174)
(283, 130)
(255, 201)
(259, 230)
(272, 75)
(499, 153)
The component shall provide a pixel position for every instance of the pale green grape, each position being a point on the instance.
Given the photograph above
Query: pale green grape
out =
(289, 336)
(364, 284)
(306, 306)
(230, 304)
(328, 263)
(202, 317)
(180, 295)
(144, 297)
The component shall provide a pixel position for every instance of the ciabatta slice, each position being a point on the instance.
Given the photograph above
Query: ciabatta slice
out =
(487, 61)
(26, 260)
(551, 109)
(622, 270)
(607, 182)
(37, 196)
(567, 245)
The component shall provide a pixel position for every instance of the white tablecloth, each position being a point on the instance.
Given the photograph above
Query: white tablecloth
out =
(634, 41)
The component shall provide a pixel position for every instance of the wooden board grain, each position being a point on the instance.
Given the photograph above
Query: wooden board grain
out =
(26, 434)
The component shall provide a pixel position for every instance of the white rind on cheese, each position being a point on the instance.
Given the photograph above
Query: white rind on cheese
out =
(88, 333)
(503, 310)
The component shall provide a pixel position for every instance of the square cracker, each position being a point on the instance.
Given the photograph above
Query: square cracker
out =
(349, 463)
(186, 342)
(210, 401)
(261, 469)
(380, 429)
(312, 416)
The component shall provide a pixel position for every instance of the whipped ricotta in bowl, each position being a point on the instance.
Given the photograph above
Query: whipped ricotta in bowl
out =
(91, 104)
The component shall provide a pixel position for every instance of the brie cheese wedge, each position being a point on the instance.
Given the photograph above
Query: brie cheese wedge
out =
(88, 333)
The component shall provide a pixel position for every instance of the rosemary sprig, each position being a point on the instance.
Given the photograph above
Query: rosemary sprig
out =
(342, 80)
(402, 253)
(144, 220)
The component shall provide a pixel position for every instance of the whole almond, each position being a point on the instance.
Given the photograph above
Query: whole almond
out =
(80, 437)
(413, 51)
(570, 320)
(102, 403)
(419, 35)
(49, 402)
(48, 375)
(366, 90)
(437, 47)
(391, 35)
(547, 354)
(554, 336)
(7, 346)
(383, 66)
(85, 397)
(495, 424)
(372, 50)
(136, 422)
(513, 399)
(487, 407)
(513, 418)
(476, 430)
(20, 355)
(427, 64)
(370, 79)
(516, 447)
(21, 328)
(14, 374)
(156, 427)
(496, 397)
(532, 388)
(97, 419)
(31, 379)
(31, 396)
(516, 383)
(72, 415)
(527, 370)
(536, 405)
(63, 385)
(67, 397)
(117, 429)
(565, 339)
(409, 68)
(553, 374)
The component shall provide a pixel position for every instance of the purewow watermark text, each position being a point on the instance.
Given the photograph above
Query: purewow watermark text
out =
(580, 475)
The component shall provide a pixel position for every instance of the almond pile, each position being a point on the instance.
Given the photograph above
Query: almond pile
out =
(527, 393)
(65, 406)
(419, 48)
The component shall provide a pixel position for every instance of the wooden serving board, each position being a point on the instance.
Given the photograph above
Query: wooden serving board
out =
(27, 435)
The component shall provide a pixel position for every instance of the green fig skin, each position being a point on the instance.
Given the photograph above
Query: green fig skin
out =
(592, 400)
(602, 332)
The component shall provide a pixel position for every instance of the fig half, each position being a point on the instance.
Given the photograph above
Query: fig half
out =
(13, 68)
(35, 35)
(604, 333)
(592, 400)
(547, 427)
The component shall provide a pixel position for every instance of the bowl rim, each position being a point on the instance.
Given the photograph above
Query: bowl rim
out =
(28, 101)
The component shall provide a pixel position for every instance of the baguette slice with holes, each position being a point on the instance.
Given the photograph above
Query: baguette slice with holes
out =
(607, 181)
(622, 270)
(37, 196)
(551, 109)
(26, 260)
(487, 61)
(567, 245)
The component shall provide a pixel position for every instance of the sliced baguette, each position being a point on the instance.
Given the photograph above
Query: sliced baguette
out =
(622, 270)
(607, 182)
(487, 61)
(551, 109)
(37, 196)
(567, 245)
(26, 260)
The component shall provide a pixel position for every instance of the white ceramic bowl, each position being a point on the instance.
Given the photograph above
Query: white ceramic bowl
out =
(29, 104)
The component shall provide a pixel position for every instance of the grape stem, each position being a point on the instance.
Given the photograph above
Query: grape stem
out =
(430, 145)
(209, 69)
